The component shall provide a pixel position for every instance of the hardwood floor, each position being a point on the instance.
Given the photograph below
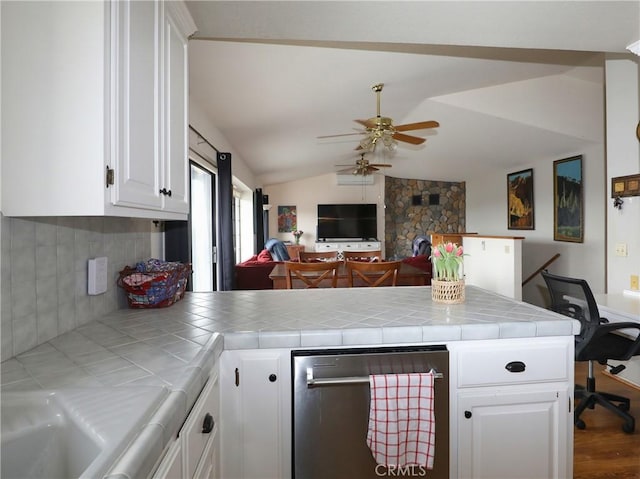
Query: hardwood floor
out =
(602, 450)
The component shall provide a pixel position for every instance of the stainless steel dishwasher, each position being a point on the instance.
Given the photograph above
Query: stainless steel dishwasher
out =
(331, 410)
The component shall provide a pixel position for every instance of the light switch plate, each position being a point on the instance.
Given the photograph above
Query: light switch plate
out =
(621, 249)
(97, 275)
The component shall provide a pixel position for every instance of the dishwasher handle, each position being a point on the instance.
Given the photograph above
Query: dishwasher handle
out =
(311, 381)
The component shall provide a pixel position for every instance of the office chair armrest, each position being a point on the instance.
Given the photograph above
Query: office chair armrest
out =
(613, 327)
(568, 309)
(606, 328)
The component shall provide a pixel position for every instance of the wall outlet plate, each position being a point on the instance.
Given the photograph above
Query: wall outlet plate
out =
(97, 276)
(634, 282)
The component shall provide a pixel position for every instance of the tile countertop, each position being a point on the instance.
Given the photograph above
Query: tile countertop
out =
(176, 347)
(370, 316)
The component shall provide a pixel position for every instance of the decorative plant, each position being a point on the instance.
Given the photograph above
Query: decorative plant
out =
(296, 235)
(446, 259)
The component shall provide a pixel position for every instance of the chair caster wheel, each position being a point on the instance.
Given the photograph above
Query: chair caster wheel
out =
(580, 424)
(628, 427)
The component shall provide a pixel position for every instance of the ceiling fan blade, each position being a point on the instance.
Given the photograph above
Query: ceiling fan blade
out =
(381, 165)
(367, 123)
(417, 126)
(414, 140)
(342, 134)
(372, 168)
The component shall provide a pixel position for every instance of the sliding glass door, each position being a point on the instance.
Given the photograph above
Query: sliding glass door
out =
(203, 228)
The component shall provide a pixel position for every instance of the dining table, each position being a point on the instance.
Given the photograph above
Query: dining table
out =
(408, 275)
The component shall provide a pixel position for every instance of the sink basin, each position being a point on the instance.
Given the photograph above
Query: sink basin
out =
(71, 433)
(41, 422)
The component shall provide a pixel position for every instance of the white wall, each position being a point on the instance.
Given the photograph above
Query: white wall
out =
(206, 126)
(623, 158)
(243, 179)
(487, 214)
(306, 194)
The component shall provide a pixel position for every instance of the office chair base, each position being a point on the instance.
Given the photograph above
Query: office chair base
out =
(590, 399)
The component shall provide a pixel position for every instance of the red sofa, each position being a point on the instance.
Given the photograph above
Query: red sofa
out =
(254, 272)
(423, 262)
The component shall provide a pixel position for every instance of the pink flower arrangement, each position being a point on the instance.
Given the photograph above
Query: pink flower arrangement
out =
(446, 259)
(296, 235)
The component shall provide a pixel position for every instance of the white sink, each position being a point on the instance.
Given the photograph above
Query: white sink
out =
(71, 433)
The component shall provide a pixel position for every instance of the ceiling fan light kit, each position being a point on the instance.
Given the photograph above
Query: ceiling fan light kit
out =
(363, 167)
(381, 129)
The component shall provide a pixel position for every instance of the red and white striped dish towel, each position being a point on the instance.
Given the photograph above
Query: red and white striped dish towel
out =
(402, 420)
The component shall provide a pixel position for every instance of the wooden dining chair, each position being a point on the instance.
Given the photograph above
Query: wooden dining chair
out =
(363, 255)
(315, 256)
(312, 274)
(373, 274)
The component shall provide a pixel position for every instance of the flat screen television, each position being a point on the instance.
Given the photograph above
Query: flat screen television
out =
(347, 221)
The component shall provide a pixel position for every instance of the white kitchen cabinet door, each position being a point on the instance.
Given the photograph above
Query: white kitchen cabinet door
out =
(511, 433)
(135, 73)
(174, 152)
(256, 412)
(171, 465)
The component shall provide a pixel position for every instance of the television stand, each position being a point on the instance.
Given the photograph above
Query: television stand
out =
(348, 245)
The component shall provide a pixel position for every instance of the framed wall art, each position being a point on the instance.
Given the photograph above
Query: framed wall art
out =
(520, 213)
(287, 219)
(568, 200)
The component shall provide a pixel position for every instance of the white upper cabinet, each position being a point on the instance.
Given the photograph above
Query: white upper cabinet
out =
(94, 108)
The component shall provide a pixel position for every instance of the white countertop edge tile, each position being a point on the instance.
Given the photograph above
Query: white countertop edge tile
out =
(141, 455)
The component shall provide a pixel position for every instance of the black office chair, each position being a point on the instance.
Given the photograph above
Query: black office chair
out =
(598, 340)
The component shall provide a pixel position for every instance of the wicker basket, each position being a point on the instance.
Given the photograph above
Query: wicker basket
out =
(154, 289)
(447, 292)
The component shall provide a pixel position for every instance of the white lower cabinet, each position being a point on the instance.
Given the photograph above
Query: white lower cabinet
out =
(256, 407)
(171, 465)
(195, 453)
(513, 412)
(512, 434)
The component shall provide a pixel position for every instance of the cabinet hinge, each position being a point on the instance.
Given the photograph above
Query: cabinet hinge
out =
(110, 176)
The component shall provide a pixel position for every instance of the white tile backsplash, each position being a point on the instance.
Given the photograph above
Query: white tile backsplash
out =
(44, 273)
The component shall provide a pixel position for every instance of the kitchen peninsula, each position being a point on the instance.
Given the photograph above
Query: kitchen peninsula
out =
(178, 347)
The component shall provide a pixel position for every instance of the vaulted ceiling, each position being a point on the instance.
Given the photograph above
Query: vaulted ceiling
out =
(509, 82)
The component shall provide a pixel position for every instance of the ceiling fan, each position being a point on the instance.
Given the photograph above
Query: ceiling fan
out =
(380, 129)
(363, 167)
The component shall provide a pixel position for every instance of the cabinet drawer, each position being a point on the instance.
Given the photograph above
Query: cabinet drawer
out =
(195, 440)
(485, 365)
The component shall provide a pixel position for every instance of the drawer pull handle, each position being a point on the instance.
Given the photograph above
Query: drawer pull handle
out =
(515, 367)
(468, 414)
(207, 424)
(273, 378)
